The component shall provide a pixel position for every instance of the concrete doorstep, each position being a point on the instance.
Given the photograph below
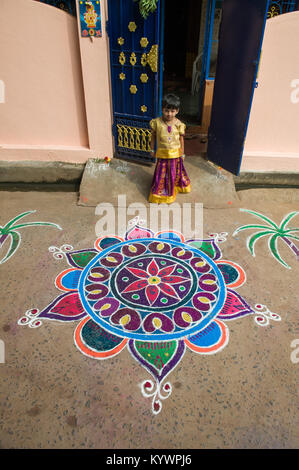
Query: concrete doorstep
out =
(210, 185)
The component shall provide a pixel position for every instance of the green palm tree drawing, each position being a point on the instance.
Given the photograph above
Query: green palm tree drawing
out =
(274, 232)
(9, 231)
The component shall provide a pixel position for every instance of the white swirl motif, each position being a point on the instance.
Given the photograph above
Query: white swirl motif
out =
(264, 315)
(150, 389)
(30, 319)
(136, 221)
(59, 253)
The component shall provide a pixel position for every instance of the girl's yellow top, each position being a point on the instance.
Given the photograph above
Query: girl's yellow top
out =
(168, 143)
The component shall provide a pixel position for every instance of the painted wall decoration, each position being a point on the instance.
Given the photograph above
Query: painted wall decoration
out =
(154, 295)
(10, 238)
(90, 18)
(66, 5)
(274, 232)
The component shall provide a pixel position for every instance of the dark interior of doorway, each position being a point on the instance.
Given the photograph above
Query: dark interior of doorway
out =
(181, 39)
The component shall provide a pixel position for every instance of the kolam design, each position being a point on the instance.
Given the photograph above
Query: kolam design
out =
(155, 295)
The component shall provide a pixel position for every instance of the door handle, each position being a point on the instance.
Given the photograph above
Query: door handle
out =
(152, 58)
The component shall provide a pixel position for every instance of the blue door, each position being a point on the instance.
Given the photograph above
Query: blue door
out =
(136, 76)
(240, 40)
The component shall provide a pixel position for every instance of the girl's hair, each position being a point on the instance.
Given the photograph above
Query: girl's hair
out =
(171, 101)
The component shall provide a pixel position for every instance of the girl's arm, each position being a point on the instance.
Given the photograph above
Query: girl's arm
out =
(182, 144)
(153, 141)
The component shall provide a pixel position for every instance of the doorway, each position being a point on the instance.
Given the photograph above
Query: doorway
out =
(182, 25)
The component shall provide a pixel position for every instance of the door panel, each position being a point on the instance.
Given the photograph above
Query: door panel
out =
(240, 39)
(135, 72)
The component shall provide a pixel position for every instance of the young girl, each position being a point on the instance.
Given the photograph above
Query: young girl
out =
(170, 175)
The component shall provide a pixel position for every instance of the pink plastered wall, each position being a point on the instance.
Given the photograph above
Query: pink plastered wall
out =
(272, 141)
(54, 86)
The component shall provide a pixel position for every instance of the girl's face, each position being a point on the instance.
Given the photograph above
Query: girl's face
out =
(169, 114)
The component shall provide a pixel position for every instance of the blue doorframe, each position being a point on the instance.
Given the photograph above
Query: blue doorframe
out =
(235, 80)
(205, 67)
(131, 124)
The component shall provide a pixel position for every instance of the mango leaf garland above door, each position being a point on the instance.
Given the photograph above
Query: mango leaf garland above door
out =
(135, 61)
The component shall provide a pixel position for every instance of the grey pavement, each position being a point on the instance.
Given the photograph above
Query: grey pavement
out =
(52, 396)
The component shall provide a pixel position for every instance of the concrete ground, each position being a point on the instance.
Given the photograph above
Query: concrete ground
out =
(54, 397)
